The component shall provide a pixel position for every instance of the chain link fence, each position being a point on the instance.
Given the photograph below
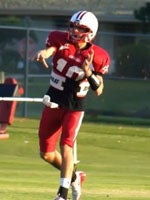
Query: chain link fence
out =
(127, 86)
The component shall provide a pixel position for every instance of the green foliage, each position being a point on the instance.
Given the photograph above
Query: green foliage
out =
(133, 61)
(143, 13)
(10, 21)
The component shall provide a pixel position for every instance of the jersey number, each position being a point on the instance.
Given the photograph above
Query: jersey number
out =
(57, 80)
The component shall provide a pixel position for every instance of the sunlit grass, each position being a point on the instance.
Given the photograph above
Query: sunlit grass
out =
(114, 157)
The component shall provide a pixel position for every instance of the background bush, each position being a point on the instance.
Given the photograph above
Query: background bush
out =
(133, 61)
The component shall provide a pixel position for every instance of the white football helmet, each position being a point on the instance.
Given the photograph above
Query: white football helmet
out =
(87, 25)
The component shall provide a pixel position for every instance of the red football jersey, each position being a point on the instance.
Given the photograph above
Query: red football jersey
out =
(68, 85)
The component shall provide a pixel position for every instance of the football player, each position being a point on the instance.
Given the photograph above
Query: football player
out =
(78, 64)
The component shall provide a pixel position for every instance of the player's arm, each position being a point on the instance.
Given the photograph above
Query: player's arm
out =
(96, 81)
(100, 85)
(44, 54)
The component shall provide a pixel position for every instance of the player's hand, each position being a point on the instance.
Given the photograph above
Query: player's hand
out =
(87, 63)
(46, 100)
(40, 57)
(48, 103)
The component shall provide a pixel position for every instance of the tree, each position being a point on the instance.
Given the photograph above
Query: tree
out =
(143, 14)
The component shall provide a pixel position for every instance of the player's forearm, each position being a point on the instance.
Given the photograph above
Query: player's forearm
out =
(95, 81)
(99, 90)
(45, 53)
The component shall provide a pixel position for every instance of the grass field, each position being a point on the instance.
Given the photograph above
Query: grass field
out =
(116, 159)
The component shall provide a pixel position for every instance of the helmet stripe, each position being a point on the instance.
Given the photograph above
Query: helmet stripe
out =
(81, 14)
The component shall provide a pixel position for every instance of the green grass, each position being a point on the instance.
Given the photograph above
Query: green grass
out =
(115, 158)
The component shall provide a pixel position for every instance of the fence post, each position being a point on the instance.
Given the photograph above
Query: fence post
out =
(2, 77)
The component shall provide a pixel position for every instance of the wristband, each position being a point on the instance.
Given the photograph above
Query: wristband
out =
(94, 82)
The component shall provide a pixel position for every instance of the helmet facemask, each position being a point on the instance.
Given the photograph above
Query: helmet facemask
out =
(79, 33)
